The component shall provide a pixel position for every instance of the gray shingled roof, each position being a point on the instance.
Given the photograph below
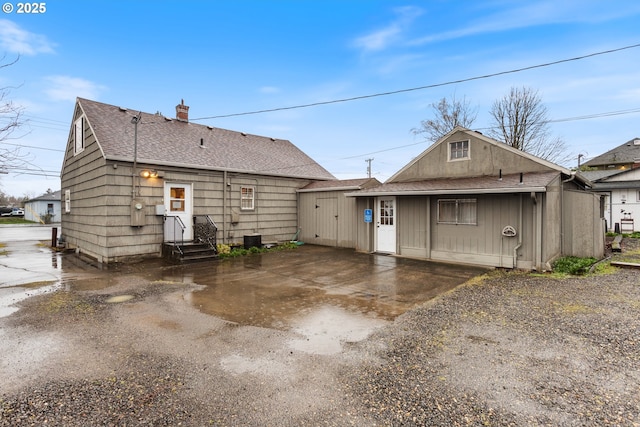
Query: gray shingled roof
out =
(597, 175)
(342, 184)
(170, 142)
(476, 185)
(56, 195)
(622, 154)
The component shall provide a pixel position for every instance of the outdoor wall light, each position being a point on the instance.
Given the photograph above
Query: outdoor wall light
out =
(146, 173)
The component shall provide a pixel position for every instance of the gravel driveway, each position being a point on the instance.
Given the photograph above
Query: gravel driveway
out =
(504, 349)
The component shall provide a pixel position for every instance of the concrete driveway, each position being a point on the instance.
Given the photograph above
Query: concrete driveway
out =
(312, 289)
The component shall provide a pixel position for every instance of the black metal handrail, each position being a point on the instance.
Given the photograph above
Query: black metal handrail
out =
(205, 231)
(176, 227)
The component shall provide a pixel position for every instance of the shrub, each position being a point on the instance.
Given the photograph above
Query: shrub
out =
(223, 249)
(573, 265)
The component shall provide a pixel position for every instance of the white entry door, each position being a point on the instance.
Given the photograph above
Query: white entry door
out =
(386, 225)
(178, 202)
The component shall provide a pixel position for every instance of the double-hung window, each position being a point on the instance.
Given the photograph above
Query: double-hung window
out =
(247, 198)
(457, 211)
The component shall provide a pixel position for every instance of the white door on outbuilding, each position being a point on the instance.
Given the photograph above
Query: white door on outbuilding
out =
(386, 224)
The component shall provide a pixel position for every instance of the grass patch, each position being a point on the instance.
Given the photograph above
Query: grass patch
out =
(572, 265)
(15, 220)
(226, 251)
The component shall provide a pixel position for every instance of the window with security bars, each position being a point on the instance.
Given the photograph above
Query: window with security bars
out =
(247, 198)
(457, 211)
(459, 150)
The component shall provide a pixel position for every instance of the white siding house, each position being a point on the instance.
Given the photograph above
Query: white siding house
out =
(616, 175)
(44, 209)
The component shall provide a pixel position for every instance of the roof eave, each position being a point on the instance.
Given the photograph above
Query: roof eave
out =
(220, 169)
(324, 189)
(442, 192)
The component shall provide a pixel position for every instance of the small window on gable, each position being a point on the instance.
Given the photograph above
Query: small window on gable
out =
(78, 136)
(247, 198)
(67, 201)
(459, 150)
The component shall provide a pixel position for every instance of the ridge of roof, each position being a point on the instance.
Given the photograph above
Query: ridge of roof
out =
(628, 152)
(168, 141)
(486, 139)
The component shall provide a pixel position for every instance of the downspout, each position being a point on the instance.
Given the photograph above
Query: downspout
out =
(611, 225)
(515, 250)
(224, 206)
(573, 176)
(255, 198)
(135, 120)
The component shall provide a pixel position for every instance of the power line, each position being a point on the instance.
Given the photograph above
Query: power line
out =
(34, 147)
(567, 119)
(431, 86)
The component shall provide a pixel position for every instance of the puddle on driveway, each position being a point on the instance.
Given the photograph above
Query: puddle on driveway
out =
(325, 296)
(325, 329)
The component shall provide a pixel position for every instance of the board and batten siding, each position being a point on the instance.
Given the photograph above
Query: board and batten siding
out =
(328, 218)
(483, 243)
(413, 226)
(584, 224)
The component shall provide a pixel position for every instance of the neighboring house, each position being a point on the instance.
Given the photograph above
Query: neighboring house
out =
(44, 209)
(616, 174)
(132, 181)
(471, 199)
(326, 216)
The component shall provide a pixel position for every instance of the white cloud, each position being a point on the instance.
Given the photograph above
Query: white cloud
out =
(66, 88)
(384, 37)
(531, 14)
(269, 89)
(15, 39)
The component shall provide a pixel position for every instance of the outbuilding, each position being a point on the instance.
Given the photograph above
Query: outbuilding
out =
(471, 199)
(44, 209)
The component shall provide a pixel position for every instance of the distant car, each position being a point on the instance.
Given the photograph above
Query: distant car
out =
(14, 212)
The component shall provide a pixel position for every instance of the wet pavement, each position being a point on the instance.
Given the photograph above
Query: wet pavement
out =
(326, 295)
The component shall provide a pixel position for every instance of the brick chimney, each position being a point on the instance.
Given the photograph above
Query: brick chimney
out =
(182, 112)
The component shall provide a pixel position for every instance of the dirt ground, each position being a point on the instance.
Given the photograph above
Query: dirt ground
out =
(507, 348)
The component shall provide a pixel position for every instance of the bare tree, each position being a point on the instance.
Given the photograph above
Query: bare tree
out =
(11, 118)
(447, 114)
(520, 120)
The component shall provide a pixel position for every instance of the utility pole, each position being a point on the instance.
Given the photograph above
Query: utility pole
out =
(369, 167)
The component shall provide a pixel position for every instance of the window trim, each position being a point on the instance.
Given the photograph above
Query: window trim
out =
(458, 220)
(78, 143)
(67, 201)
(244, 198)
(450, 150)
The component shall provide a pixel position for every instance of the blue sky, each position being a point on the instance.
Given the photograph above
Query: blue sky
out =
(229, 57)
